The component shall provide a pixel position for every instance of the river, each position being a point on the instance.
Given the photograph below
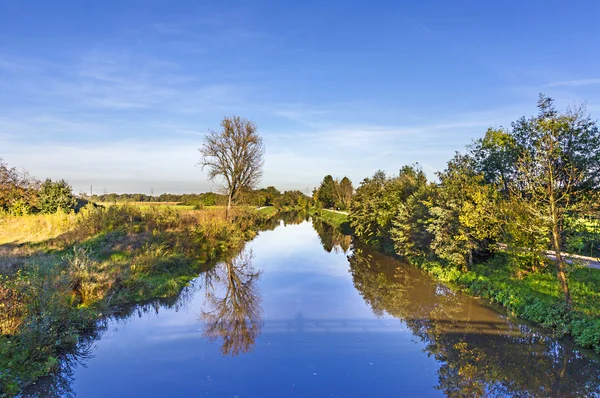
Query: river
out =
(303, 312)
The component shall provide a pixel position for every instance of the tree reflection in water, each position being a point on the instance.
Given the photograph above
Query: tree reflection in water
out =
(481, 353)
(232, 312)
(331, 238)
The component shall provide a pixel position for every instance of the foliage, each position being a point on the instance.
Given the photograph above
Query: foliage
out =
(325, 194)
(495, 156)
(376, 203)
(480, 352)
(334, 194)
(524, 190)
(410, 234)
(464, 216)
(557, 173)
(292, 200)
(343, 193)
(18, 190)
(54, 196)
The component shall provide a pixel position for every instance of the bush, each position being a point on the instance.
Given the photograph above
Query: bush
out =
(54, 196)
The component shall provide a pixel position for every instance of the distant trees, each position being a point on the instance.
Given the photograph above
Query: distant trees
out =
(292, 200)
(22, 194)
(18, 190)
(234, 155)
(334, 193)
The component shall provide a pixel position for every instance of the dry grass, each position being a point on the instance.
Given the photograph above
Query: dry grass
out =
(34, 228)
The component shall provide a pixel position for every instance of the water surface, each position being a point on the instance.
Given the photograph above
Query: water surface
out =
(299, 313)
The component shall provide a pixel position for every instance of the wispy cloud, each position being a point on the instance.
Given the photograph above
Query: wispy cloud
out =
(574, 83)
(424, 28)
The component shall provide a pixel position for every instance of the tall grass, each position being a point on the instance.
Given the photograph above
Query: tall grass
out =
(34, 228)
(74, 267)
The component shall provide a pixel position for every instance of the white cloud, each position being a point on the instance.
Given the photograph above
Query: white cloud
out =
(574, 83)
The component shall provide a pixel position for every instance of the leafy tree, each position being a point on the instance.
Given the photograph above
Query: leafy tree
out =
(54, 196)
(326, 193)
(376, 202)
(364, 211)
(344, 191)
(235, 155)
(558, 172)
(271, 194)
(410, 234)
(464, 219)
(496, 156)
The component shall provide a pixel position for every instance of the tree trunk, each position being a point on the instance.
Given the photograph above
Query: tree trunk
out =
(556, 223)
(227, 212)
(468, 264)
(560, 266)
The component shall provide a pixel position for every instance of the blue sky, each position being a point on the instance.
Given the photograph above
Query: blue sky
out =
(118, 94)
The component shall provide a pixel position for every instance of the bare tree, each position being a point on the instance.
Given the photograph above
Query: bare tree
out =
(233, 312)
(235, 155)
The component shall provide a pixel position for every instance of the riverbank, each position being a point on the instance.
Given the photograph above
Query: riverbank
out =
(336, 219)
(535, 296)
(62, 272)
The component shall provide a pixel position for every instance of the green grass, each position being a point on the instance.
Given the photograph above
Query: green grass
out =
(268, 211)
(337, 220)
(536, 296)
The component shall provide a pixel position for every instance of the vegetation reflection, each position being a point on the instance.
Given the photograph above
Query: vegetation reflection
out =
(331, 238)
(481, 353)
(232, 311)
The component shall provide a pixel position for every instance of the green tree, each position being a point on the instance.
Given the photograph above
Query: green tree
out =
(54, 196)
(326, 193)
(496, 156)
(344, 191)
(410, 234)
(558, 172)
(464, 219)
(271, 193)
(376, 202)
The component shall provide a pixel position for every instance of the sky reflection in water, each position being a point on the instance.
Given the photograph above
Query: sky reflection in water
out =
(295, 315)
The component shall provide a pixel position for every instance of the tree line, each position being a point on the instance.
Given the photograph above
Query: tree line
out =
(532, 187)
(334, 193)
(21, 194)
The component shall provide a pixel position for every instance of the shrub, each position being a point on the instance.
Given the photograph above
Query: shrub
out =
(54, 196)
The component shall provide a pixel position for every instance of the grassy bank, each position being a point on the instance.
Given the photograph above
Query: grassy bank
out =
(61, 272)
(535, 296)
(337, 220)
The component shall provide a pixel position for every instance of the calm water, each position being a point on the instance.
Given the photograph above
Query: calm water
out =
(298, 314)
